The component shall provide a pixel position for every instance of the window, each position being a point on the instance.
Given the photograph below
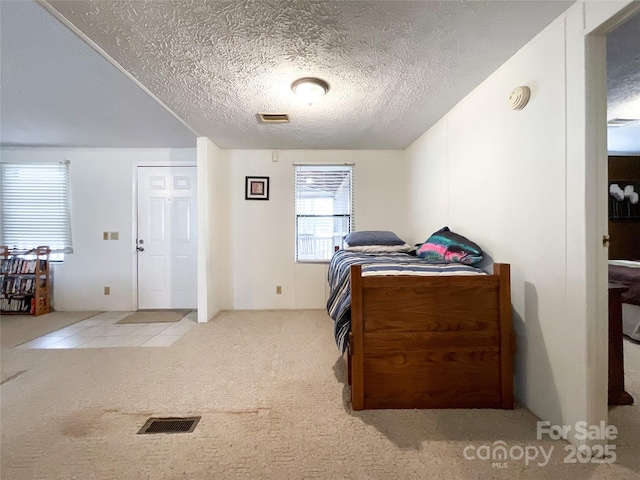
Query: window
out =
(35, 207)
(324, 210)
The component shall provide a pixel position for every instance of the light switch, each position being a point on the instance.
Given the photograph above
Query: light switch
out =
(105, 235)
(114, 235)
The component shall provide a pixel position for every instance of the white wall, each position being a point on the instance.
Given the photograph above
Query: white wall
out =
(525, 186)
(624, 140)
(492, 179)
(262, 248)
(102, 182)
(248, 246)
(214, 265)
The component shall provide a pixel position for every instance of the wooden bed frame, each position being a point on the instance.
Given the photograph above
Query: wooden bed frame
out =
(431, 342)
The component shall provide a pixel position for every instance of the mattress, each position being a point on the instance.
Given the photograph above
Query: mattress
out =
(625, 263)
(627, 273)
(339, 303)
(631, 321)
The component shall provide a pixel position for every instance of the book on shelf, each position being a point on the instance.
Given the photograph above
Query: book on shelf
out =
(17, 265)
(26, 305)
(17, 285)
(24, 281)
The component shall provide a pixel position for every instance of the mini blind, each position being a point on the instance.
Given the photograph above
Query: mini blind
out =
(324, 209)
(36, 206)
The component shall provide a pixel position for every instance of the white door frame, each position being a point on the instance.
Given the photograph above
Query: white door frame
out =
(590, 137)
(134, 215)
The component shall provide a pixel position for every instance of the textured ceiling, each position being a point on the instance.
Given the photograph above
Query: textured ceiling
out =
(623, 70)
(394, 67)
(58, 91)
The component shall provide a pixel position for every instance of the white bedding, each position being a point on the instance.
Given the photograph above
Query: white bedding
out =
(630, 313)
(625, 263)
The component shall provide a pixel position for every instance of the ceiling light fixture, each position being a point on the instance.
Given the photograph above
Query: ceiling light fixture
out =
(621, 122)
(310, 89)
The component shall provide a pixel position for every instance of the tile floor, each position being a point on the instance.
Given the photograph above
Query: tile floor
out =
(101, 331)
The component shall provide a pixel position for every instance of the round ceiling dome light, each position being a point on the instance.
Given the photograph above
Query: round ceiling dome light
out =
(310, 89)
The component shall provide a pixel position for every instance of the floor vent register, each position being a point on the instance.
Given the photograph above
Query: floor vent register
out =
(170, 425)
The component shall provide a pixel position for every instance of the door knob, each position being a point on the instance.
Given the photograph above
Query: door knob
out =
(140, 249)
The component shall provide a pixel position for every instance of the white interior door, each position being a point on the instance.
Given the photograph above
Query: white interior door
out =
(167, 243)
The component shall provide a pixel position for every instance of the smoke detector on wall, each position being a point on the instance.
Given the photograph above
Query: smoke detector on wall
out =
(519, 97)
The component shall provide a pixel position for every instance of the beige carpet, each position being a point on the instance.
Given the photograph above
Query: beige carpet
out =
(269, 386)
(18, 329)
(154, 316)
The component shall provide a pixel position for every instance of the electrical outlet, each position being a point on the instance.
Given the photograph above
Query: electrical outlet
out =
(105, 235)
(107, 290)
(278, 290)
(114, 235)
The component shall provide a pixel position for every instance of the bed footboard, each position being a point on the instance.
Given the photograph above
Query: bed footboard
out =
(431, 342)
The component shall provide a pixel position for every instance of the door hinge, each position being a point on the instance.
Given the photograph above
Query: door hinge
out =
(605, 240)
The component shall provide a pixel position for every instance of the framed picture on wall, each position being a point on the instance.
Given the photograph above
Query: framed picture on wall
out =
(256, 188)
(623, 199)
